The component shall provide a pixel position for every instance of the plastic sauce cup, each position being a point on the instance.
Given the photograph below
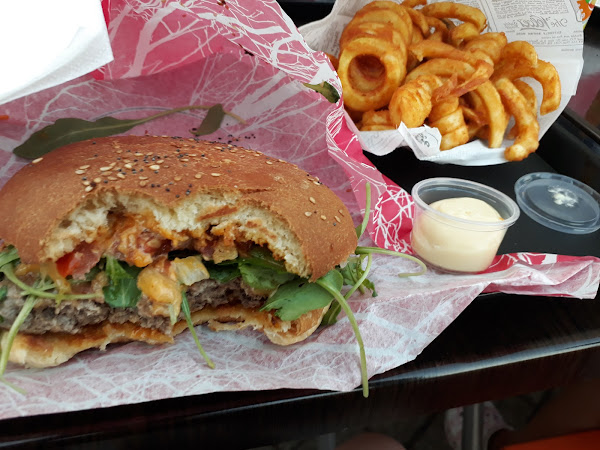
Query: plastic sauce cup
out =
(466, 244)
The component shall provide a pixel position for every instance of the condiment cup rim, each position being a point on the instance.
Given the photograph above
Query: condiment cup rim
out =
(475, 189)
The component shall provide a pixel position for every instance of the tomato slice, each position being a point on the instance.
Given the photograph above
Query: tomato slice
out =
(79, 262)
(65, 264)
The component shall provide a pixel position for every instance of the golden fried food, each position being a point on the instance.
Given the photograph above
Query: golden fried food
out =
(441, 29)
(411, 102)
(417, 63)
(461, 33)
(441, 67)
(387, 9)
(419, 21)
(490, 43)
(528, 128)
(544, 72)
(451, 10)
(447, 117)
(377, 121)
(497, 119)
(530, 98)
(362, 52)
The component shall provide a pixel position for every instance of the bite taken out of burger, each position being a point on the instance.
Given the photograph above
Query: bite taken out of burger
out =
(137, 238)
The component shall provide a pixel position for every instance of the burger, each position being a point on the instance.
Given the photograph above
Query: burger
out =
(137, 238)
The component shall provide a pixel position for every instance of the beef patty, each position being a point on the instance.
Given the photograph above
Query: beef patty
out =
(70, 316)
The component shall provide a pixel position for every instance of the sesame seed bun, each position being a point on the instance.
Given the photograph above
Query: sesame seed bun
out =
(176, 186)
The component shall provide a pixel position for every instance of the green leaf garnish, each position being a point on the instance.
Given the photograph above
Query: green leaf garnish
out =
(324, 283)
(326, 90)
(41, 290)
(363, 226)
(212, 121)
(9, 338)
(185, 307)
(3, 293)
(8, 255)
(298, 296)
(263, 279)
(223, 273)
(361, 280)
(68, 130)
(122, 290)
(382, 251)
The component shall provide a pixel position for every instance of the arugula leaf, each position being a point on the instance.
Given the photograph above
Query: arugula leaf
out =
(223, 273)
(299, 296)
(263, 279)
(326, 90)
(260, 256)
(353, 271)
(30, 302)
(8, 255)
(122, 290)
(94, 271)
(185, 308)
(327, 284)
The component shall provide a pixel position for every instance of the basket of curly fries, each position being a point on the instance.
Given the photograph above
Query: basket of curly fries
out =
(454, 83)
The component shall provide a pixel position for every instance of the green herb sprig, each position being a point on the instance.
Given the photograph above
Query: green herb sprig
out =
(68, 130)
(185, 307)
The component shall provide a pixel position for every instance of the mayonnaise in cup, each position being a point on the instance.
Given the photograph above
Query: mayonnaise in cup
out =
(459, 224)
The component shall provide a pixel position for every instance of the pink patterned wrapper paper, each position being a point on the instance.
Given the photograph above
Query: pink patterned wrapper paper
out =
(249, 56)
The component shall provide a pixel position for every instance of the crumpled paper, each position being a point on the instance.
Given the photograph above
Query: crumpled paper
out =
(49, 43)
(250, 57)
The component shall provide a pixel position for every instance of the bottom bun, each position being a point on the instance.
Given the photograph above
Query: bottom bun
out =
(53, 349)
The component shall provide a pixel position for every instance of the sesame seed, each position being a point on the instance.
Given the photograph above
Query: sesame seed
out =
(337, 219)
(198, 175)
(154, 167)
(80, 172)
(257, 154)
(105, 169)
(270, 163)
(185, 159)
(312, 200)
(316, 182)
(138, 154)
(97, 180)
(308, 214)
(341, 212)
(177, 178)
(112, 178)
(143, 183)
(323, 217)
(149, 154)
(86, 183)
(88, 188)
(143, 177)
(87, 166)
(160, 161)
(214, 174)
(120, 175)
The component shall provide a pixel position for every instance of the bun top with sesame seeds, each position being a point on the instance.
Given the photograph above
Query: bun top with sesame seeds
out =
(214, 194)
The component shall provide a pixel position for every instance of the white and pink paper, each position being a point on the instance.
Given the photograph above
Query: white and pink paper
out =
(249, 56)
